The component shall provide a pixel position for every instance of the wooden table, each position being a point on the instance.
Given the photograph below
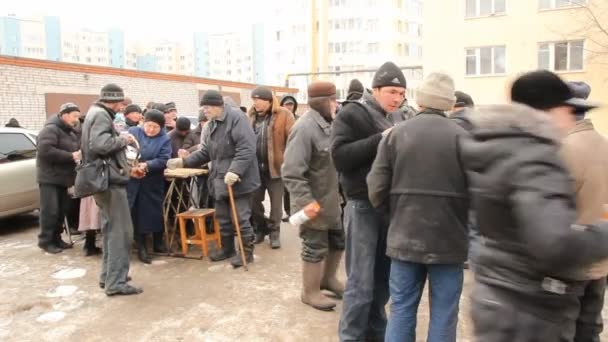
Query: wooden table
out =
(181, 182)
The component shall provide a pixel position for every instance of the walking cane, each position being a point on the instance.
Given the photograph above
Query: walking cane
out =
(235, 219)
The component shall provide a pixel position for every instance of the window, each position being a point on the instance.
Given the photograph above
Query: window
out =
(561, 56)
(489, 60)
(553, 4)
(15, 147)
(483, 8)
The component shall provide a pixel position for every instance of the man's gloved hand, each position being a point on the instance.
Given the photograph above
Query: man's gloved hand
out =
(231, 178)
(175, 163)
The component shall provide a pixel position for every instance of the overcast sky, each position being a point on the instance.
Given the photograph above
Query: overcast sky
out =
(168, 19)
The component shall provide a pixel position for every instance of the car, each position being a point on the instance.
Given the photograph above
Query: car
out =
(19, 190)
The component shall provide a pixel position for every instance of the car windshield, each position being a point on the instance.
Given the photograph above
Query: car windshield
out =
(16, 146)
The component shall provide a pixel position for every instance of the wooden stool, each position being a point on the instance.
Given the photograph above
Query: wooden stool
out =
(200, 237)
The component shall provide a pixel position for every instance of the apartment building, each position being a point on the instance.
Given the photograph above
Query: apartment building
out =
(485, 44)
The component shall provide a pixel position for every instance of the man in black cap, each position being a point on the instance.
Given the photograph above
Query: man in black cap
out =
(355, 90)
(588, 171)
(229, 143)
(58, 153)
(272, 125)
(179, 134)
(170, 116)
(101, 141)
(531, 259)
(291, 104)
(357, 131)
(462, 109)
(133, 115)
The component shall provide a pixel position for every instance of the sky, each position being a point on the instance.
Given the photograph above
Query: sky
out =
(168, 19)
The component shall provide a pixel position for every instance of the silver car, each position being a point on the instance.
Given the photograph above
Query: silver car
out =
(18, 186)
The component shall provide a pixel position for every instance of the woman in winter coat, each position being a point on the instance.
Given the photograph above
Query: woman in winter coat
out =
(146, 194)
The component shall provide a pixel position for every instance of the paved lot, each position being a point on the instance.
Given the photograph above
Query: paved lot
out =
(55, 297)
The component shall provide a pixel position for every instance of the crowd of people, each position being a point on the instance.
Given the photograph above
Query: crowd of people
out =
(405, 195)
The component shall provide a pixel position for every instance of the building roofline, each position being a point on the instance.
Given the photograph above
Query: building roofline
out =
(102, 70)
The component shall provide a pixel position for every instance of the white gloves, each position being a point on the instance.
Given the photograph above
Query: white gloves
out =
(231, 178)
(175, 163)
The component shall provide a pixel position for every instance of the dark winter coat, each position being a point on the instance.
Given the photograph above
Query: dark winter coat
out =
(146, 194)
(54, 162)
(525, 206)
(177, 142)
(356, 133)
(308, 171)
(193, 139)
(417, 172)
(229, 143)
(100, 140)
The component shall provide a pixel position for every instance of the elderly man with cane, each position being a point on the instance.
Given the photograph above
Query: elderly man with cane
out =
(229, 143)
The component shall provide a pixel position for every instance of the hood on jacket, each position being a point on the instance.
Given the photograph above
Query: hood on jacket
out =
(511, 119)
(295, 102)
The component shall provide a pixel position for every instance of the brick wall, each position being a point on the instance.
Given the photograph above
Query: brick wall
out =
(24, 84)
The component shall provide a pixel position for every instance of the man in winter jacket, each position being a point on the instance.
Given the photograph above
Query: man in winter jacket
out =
(356, 133)
(178, 135)
(291, 104)
(418, 176)
(229, 143)
(193, 140)
(133, 115)
(101, 141)
(462, 109)
(312, 181)
(271, 124)
(58, 153)
(589, 172)
(531, 260)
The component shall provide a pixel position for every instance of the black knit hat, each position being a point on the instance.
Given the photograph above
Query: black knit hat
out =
(212, 98)
(160, 107)
(155, 116)
(355, 86)
(132, 108)
(68, 108)
(170, 106)
(261, 92)
(463, 99)
(544, 90)
(389, 75)
(111, 93)
(182, 124)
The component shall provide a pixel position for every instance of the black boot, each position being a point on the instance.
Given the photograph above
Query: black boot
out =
(227, 250)
(159, 243)
(259, 237)
(237, 260)
(60, 243)
(50, 248)
(89, 244)
(142, 253)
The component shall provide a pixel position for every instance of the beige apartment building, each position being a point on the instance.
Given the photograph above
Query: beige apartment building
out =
(485, 44)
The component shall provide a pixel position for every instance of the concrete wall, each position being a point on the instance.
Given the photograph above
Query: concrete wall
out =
(521, 28)
(25, 83)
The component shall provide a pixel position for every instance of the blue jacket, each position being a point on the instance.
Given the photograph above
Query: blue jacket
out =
(146, 195)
